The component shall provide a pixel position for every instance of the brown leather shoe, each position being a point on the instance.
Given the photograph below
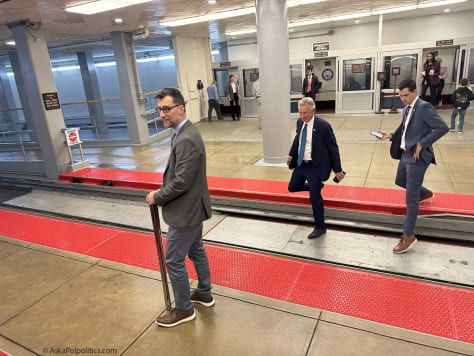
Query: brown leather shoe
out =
(196, 298)
(428, 196)
(174, 317)
(405, 244)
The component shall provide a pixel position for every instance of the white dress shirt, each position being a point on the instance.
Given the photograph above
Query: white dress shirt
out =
(309, 137)
(402, 144)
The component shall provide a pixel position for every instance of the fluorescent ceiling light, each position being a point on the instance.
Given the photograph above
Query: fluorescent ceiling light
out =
(164, 58)
(106, 64)
(228, 14)
(446, 10)
(149, 59)
(310, 22)
(351, 16)
(211, 2)
(215, 52)
(293, 3)
(439, 3)
(10, 43)
(241, 32)
(61, 69)
(357, 21)
(118, 20)
(209, 17)
(94, 7)
(394, 9)
(10, 74)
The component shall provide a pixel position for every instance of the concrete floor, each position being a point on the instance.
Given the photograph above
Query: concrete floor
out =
(56, 299)
(233, 148)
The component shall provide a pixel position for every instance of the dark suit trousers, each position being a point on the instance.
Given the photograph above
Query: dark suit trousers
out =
(303, 179)
(213, 104)
(410, 175)
(433, 91)
(234, 102)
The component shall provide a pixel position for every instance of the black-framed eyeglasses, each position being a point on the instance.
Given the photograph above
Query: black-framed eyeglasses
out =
(166, 109)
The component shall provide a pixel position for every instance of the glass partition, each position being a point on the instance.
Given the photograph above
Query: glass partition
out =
(222, 77)
(470, 73)
(408, 64)
(250, 76)
(296, 78)
(357, 74)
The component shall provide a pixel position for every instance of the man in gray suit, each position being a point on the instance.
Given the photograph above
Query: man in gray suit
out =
(185, 201)
(412, 145)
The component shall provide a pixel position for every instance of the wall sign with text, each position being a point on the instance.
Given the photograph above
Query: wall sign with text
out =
(51, 101)
(320, 46)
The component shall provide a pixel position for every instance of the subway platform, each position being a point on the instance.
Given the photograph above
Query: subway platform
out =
(80, 272)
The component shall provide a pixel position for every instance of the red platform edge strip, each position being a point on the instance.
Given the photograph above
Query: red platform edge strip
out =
(375, 200)
(416, 305)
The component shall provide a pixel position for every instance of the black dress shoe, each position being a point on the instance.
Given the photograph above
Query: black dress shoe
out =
(316, 233)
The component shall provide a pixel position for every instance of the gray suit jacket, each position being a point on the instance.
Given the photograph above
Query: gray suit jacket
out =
(184, 195)
(425, 127)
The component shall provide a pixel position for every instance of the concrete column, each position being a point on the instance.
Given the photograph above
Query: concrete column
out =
(130, 87)
(91, 88)
(35, 69)
(274, 68)
(192, 58)
(22, 93)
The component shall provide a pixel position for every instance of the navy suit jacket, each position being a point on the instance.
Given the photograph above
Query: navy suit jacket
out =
(324, 149)
(425, 127)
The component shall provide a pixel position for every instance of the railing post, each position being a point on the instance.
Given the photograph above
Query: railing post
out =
(22, 147)
(155, 217)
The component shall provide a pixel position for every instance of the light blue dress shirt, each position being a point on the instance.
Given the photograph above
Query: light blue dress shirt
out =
(212, 92)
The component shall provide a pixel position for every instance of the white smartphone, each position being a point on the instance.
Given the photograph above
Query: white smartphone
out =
(376, 134)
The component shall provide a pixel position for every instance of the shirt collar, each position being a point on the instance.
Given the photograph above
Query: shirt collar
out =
(178, 128)
(413, 102)
(310, 122)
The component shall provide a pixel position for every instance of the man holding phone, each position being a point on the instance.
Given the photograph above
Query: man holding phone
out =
(412, 145)
(313, 155)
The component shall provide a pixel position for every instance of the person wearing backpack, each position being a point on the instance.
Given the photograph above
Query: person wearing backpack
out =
(461, 100)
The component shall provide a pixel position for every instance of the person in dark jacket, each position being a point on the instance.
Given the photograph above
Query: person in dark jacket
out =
(461, 100)
(430, 73)
(311, 84)
(313, 155)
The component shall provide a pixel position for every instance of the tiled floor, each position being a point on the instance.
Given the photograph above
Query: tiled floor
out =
(233, 147)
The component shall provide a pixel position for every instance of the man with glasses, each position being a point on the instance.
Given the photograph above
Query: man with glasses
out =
(185, 201)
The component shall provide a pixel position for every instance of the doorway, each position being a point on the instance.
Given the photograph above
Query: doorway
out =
(326, 71)
(221, 75)
(355, 91)
(450, 57)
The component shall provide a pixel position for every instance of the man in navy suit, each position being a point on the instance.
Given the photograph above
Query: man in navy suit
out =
(412, 144)
(313, 155)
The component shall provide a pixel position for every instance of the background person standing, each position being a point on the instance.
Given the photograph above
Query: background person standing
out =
(311, 84)
(233, 90)
(443, 74)
(430, 73)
